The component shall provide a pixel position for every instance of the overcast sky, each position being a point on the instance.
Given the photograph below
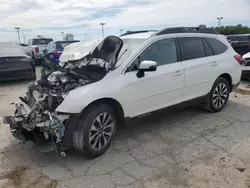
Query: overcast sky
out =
(50, 17)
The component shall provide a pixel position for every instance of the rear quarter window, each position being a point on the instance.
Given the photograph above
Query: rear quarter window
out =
(217, 46)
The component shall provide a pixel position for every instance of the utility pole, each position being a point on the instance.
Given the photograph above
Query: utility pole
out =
(85, 35)
(24, 41)
(62, 34)
(18, 28)
(102, 24)
(219, 18)
(121, 31)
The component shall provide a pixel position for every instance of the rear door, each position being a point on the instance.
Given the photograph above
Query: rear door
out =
(198, 68)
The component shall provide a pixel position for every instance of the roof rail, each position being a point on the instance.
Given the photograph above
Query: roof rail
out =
(135, 32)
(187, 30)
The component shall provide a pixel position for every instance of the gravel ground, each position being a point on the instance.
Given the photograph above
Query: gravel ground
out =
(185, 148)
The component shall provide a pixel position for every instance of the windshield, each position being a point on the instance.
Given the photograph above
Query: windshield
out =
(41, 41)
(129, 46)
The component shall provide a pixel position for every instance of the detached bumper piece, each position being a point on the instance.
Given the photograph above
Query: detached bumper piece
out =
(16, 129)
(10, 120)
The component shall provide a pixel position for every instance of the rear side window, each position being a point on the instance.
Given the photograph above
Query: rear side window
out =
(191, 48)
(217, 46)
(208, 50)
(62, 45)
(41, 41)
(239, 37)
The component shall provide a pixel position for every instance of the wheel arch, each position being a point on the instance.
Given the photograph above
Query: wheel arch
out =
(228, 78)
(112, 103)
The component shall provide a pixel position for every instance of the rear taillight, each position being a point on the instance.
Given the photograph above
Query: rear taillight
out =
(57, 53)
(238, 58)
(37, 50)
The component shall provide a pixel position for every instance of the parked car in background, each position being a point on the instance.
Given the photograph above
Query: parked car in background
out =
(53, 52)
(246, 66)
(240, 43)
(104, 82)
(15, 64)
(35, 47)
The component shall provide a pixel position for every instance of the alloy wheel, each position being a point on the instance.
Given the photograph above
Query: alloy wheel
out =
(220, 95)
(101, 131)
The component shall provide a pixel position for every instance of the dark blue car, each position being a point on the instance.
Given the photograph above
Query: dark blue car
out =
(54, 50)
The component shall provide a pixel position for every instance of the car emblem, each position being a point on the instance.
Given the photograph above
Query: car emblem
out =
(7, 59)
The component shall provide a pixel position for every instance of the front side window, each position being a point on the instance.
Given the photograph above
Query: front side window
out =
(163, 52)
(191, 48)
(217, 46)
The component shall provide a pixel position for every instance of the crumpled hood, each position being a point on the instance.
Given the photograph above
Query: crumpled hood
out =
(106, 49)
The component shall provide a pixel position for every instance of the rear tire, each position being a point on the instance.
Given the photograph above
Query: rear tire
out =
(95, 130)
(218, 96)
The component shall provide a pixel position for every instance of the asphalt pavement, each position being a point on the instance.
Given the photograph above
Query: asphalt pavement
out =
(157, 151)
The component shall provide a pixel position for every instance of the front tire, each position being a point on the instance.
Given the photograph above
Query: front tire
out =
(218, 96)
(95, 130)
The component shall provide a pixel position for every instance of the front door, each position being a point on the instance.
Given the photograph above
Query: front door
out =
(158, 89)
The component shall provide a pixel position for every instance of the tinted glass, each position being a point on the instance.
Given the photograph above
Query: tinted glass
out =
(191, 48)
(163, 52)
(62, 45)
(217, 46)
(208, 50)
(41, 41)
(239, 38)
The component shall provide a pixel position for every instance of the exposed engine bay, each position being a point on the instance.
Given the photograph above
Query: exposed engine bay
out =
(35, 118)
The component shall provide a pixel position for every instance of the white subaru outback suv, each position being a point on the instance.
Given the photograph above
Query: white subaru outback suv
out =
(100, 83)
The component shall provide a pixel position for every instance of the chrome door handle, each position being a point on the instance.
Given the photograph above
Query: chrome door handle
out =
(178, 73)
(213, 64)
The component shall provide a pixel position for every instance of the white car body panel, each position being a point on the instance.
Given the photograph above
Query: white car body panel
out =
(246, 58)
(170, 84)
(154, 91)
(247, 55)
(78, 50)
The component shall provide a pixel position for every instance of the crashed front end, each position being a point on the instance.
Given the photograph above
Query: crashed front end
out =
(35, 117)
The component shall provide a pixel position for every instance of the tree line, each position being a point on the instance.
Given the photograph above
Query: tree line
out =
(232, 30)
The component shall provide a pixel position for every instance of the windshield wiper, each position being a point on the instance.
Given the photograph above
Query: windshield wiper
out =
(119, 58)
(122, 55)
